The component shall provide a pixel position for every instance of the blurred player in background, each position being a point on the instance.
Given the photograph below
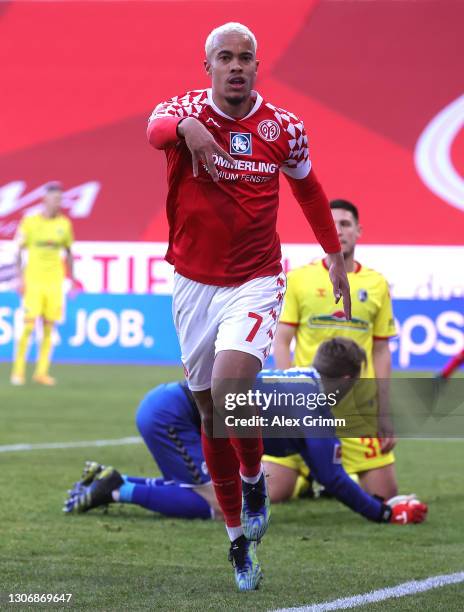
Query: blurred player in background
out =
(309, 315)
(224, 148)
(169, 423)
(44, 236)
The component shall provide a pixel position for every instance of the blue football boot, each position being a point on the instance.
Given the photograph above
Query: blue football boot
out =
(247, 570)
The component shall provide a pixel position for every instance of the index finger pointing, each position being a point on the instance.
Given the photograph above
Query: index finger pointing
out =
(336, 290)
(347, 304)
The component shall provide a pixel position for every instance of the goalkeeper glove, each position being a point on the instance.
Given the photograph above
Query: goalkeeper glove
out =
(406, 509)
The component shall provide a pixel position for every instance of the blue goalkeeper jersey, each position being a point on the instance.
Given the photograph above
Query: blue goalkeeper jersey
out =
(322, 455)
(173, 406)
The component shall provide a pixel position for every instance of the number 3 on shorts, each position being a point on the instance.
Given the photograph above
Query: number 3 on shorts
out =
(370, 443)
(254, 329)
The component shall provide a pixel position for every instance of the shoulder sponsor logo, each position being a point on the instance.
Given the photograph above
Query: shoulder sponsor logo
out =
(240, 143)
(362, 295)
(269, 130)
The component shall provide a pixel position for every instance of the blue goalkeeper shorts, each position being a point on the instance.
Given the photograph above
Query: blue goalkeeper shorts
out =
(170, 426)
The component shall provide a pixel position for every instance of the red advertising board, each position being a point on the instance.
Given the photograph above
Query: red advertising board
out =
(379, 84)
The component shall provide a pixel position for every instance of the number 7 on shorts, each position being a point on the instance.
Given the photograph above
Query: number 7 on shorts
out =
(256, 326)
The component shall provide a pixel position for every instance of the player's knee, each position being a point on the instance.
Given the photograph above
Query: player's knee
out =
(391, 490)
(224, 391)
(223, 401)
(280, 481)
(218, 396)
(280, 491)
(29, 325)
(380, 481)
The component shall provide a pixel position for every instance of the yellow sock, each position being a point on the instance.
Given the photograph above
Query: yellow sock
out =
(19, 365)
(43, 362)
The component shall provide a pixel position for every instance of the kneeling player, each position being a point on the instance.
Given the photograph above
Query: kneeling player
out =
(169, 423)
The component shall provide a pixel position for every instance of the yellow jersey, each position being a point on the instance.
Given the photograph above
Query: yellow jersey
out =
(44, 238)
(309, 305)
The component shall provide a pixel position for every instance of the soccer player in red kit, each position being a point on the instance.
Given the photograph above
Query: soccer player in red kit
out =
(224, 148)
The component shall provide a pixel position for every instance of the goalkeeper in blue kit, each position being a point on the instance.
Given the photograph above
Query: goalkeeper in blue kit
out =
(169, 423)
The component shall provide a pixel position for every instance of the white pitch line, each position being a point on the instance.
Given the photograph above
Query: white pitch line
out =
(401, 590)
(12, 448)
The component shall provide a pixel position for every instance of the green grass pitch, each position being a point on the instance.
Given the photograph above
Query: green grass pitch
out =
(130, 559)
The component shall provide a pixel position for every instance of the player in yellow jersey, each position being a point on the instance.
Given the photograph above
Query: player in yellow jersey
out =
(44, 236)
(310, 316)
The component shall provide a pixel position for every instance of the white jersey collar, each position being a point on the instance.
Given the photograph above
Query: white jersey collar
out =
(255, 107)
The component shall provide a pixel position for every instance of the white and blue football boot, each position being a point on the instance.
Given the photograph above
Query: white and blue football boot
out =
(247, 570)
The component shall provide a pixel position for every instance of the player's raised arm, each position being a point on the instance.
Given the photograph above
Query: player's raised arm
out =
(315, 205)
(172, 121)
(162, 124)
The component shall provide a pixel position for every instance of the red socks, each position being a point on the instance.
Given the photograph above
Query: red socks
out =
(223, 466)
(224, 458)
(249, 452)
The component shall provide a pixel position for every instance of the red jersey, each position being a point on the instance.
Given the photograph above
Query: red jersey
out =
(224, 233)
